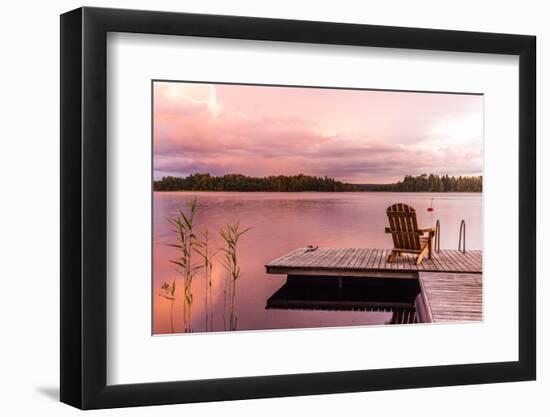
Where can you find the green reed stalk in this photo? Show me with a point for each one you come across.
(168, 291)
(185, 244)
(231, 234)
(204, 250)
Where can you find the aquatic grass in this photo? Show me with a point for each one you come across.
(205, 252)
(168, 291)
(188, 242)
(231, 235)
(185, 244)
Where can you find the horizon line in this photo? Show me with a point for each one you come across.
(319, 176)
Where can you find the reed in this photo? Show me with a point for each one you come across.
(185, 244)
(168, 291)
(231, 235)
(205, 252)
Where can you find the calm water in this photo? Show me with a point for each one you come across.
(282, 222)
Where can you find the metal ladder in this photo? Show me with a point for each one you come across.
(461, 236)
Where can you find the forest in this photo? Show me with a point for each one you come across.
(301, 182)
(238, 182)
(435, 184)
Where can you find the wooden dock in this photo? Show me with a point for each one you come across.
(365, 262)
(450, 282)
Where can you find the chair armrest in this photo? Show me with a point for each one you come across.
(429, 229)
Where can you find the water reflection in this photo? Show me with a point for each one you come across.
(281, 222)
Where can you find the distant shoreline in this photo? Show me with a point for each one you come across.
(305, 183)
(320, 192)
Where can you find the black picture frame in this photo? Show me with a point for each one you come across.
(84, 207)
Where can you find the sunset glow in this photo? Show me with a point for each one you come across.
(356, 136)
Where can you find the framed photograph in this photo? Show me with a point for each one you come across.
(258, 207)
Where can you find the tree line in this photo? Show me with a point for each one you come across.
(239, 182)
(301, 182)
(436, 184)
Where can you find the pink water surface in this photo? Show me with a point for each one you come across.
(281, 222)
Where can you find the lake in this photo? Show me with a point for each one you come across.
(281, 222)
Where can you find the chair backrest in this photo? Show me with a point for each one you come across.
(403, 227)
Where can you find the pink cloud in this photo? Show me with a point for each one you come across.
(355, 136)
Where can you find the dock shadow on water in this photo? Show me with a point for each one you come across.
(332, 293)
(207, 281)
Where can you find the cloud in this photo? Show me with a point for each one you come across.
(195, 130)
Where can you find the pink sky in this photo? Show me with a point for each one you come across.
(356, 136)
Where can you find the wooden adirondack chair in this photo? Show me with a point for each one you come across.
(406, 235)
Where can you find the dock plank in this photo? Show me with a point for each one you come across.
(365, 261)
(314, 257)
(285, 258)
(374, 259)
(451, 297)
